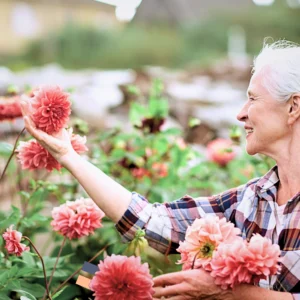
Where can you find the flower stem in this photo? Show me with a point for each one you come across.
(76, 272)
(194, 260)
(12, 154)
(54, 268)
(41, 258)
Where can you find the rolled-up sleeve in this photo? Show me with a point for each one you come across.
(166, 224)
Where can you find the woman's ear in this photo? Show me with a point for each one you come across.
(294, 108)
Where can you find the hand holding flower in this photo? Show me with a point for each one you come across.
(190, 284)
(58, 145)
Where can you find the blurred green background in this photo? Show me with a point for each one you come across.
(87, 34)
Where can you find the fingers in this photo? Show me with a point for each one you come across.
(174, 298)
(175, 292)
(167, 291)
(25, 106)
(168, 279)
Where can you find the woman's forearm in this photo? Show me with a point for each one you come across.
(109, 195)
(251, 292)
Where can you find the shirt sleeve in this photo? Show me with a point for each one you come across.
(165, 224)
(289, 277)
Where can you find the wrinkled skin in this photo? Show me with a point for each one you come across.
(191, 284)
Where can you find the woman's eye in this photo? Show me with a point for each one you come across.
(251, 99)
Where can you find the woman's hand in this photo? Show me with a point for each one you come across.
(191, 284)
(58, 145)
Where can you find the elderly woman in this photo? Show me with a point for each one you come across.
(268, 205)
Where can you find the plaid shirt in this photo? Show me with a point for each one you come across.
(251, 207)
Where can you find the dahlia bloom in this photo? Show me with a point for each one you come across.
(78, 142)
(9, 108)
(140, 173)
(202, 239)
(242, 262)
(75, 219)
(220, 151)
(161, 169)
(13, 241)
(50, 108)
(121, 277)
(33, 156)
(263, 256)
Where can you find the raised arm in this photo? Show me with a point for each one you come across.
(109, 195)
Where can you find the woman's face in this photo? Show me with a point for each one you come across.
(265, 117)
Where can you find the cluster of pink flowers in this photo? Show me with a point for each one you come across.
(220, 151)
(13, 241)
(122, 277)
(215, 245)
(50, 110)
(75, 219)
(10, 108)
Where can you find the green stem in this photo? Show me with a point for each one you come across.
(41, 258)
(76, 272)
(194, 260)
(12, 154)
(54, 268)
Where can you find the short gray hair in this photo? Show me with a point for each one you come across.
(280, 62)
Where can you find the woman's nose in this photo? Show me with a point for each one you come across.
(243, 114)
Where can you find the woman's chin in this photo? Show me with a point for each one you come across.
(251, 150)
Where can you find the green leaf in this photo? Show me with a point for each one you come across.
(59, 292)
(194, 122)
(4, 275)
(13, 271)
(13, 218)
(137, 113)
(133, 90)
(13, 285)
(24, 271)
(158, 108)
(3, 296)
(28, 258)
(35, 289)
(6, 149)
(25, 294)
(50, 261)
(161, 145)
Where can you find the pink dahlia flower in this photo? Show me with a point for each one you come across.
(78, 142)
(202, 238)
(9, 108)
(140, 173)
(220, 151)
(263, 256)
(242, 262)
(13, 242)
(51, 108)
(229, 266)
(122, 278)
(160, 169)
(33, 156)
(75, 219)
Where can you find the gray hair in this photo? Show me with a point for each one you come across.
(280, 63)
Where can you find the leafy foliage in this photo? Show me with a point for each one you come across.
(151, 160)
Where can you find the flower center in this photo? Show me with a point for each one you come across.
(206, 250)
(121, 285)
